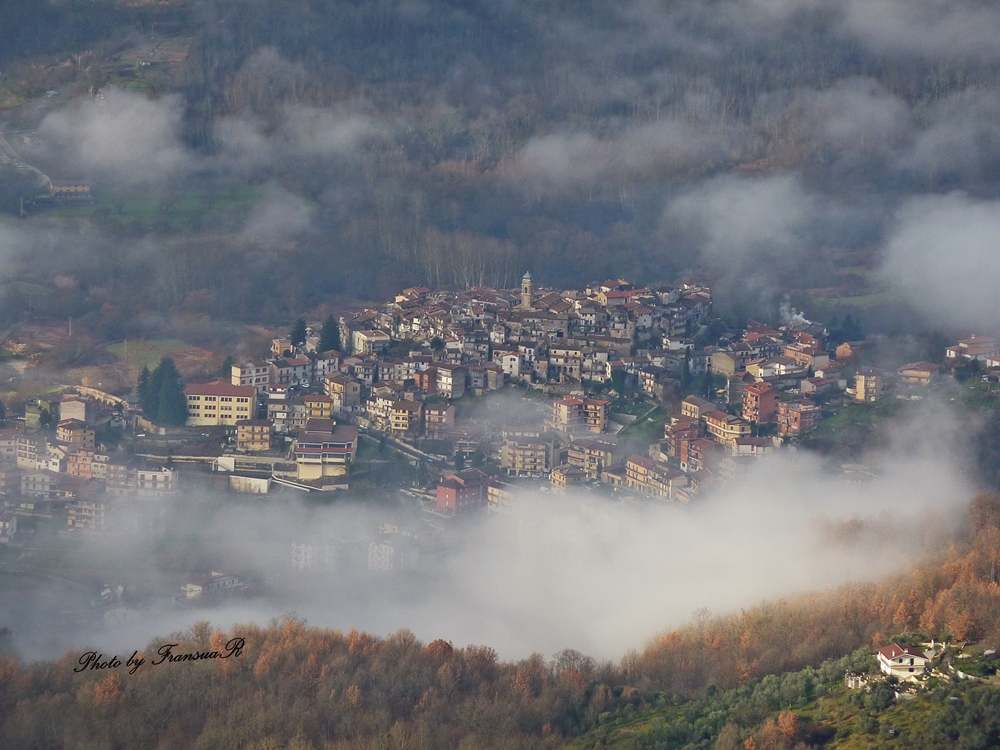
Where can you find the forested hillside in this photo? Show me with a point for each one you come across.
(249, 156)
(299, 687)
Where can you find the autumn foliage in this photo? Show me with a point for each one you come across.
(299, 687)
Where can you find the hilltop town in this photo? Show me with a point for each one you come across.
(452, 403)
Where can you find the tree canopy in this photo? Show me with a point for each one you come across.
(161, 394)
(299, 332)
(329, 339)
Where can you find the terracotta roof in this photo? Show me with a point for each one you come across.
(219, 388)
(894, 650)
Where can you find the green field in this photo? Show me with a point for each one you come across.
(149, 352)
(647, 429)
(190, 210)
(862, 302)
(853, 423)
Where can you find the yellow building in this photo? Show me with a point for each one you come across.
(75, 432)
(725, 428)
(591, 456)
(567, 476)
(405, 417)
(525, 457)
(343, 390)
(325, 454)
(253, 435)
(646, 476)
(319, 407)
(499, 497)
(869, 385)
(574, 415)
(87, 514)
(219, 403)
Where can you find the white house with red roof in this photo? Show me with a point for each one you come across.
(903, 663)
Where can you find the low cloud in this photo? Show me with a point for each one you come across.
(942, 254)
(279, 216)
(961, 139)
(737, 221)
(578, 571)
(300, 133)
(562, 160)
(942, 29)
(126, 139)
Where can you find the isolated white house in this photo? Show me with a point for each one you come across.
(903, 663)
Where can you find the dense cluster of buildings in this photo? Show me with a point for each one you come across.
(42, 473)
(404, 364)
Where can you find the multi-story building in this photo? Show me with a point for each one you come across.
(155, 480)
(451, 380)
(219, 403)
(869, 384)
(405, 417)
(978, 348)
(120, 474)
(323, 365)
(570, 415)
(596, 413)
(461, 491)
(78, 407)
(8, 526)
(439, 419)
(902, 663)
(528, 456)
(591, 456)
(725, 428)
(499, 496)
(694, 407)
(90, 515)
(325, 454)
(80, 463)
(8, 444)
(679, 430)
(99, 466)
(646, 476)
(760, 402)
(256, 374)
(703, 454)
(76, 432)
(918, 373)
(567, 476)
(318, 406)
(28, 451)
(253, 435)
(292, 372)
(370, 342)
(344, 391)
(797, 417)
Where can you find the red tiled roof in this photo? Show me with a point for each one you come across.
(894, 650)
(218, 388)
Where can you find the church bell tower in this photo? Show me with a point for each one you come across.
(526, 291)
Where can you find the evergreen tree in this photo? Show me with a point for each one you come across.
(165, 402)
(142, 390)
(329, 339)
(227, 367)
(299, 332)
(173, 403)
